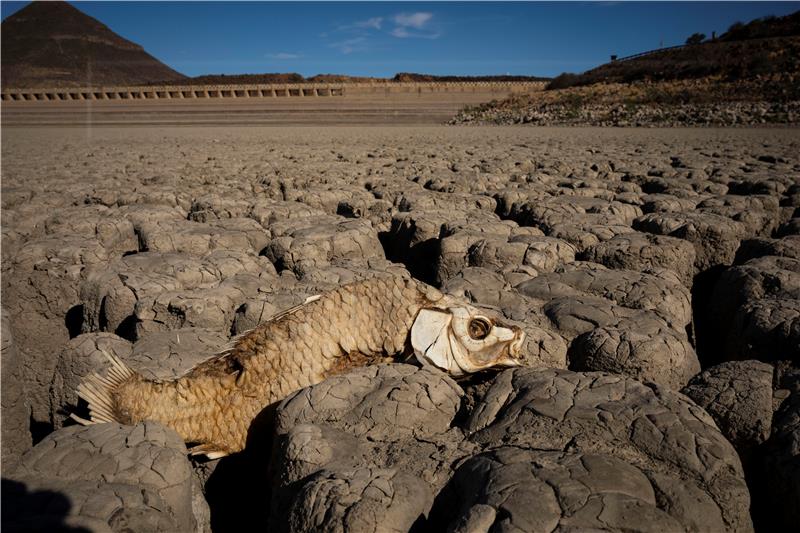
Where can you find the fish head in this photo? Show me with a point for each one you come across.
(460, 339)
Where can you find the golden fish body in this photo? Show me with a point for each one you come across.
(214, 404)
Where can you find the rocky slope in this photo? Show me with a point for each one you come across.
(699, 102)
(53, 44)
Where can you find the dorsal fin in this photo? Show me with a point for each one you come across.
(295, 308)
(227, 350)
(236, 338)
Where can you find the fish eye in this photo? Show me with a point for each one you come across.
(479, 328)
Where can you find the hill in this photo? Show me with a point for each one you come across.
(243, 79)
(293, 77)
(272, 77)
(762, 47)
(413, 77)
(50, 44)
(750, 75)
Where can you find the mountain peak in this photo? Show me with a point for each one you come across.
(54, 44)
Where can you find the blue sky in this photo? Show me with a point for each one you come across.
(383, 38)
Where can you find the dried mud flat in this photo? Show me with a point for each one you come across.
(656, 272)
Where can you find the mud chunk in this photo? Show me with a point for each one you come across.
(660, 295)
(214, 207)
(780, 479)
(435, 246)
(208, 308)
(128, 478)
(525, 490)
(790, 227)
(16, 435)
(643, 251)
(113, 230)
(738, 395)
(544, 254)
(194, 238)
(164, 355)
(362, 499)
(788, 246)
(758, 213)
(757, 310)
(115, 296)
(80, 357)
(269, 212)
(320, 244)
(671, 441)
(645, 349)
(667, 203)
(571, 209)
(582, 233)
(368, 448)
(715, 238)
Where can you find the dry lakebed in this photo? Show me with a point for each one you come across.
(655, 272)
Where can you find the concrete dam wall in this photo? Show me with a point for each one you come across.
(168, 92)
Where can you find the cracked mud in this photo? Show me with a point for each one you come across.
(656, 274)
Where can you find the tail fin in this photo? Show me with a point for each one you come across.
(97, 391)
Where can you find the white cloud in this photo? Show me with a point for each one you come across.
(416, 20)
(360, 26)
(406, 25)
(348, 46)
(374, 22)
(403, 33)
(400, 32)
(407, 22)
(284, 55)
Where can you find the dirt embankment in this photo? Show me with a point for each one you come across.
(711, 101)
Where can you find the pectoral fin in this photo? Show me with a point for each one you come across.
(209, 450)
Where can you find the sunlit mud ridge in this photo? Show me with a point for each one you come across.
(655, 274)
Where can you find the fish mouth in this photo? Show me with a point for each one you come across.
(515, 348)
(512, 353)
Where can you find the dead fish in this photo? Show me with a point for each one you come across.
(378, 320)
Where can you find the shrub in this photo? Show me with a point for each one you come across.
(696, 38)
(564, 80)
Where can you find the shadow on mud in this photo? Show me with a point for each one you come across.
(37, 510)
(238, 487)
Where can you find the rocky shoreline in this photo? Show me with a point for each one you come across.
(709, 102)
(725, 114)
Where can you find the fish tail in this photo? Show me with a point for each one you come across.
(98, 391)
